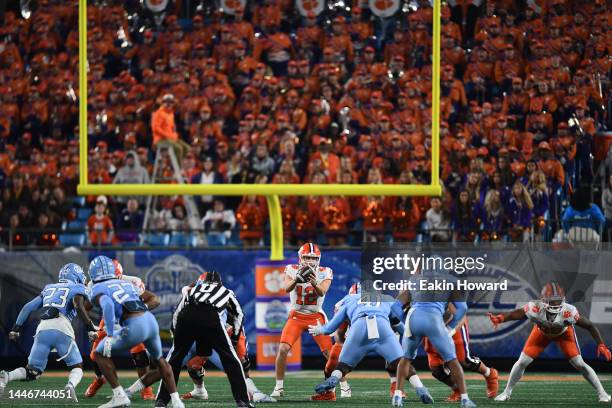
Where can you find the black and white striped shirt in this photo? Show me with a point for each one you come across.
(216, 295)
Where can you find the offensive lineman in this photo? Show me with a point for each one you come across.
(554, 322)
(307, 283)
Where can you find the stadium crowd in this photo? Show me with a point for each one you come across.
(268, 95)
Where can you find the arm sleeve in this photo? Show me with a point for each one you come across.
(236, 311)
(334, 323)
(461, 311)
(109, 314)
(27, 309)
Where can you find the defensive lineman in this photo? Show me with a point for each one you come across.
(60, 302)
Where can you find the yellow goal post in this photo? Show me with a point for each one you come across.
(270, 191)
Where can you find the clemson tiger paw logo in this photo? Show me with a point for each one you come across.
(273, 281)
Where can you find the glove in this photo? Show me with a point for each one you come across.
(108, 347)
(315, 329)
(15, 333)
(496, 319)
(92, 335)
(604, 352)
(304, 274)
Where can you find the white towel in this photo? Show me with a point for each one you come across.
(372, 326)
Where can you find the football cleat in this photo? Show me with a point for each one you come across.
(243, 404)
(454, 397)
(605, 398)
(502, 397)
(200, 394)
(492, 383)
(345, 392)
(3, 381)
(397, 400)
(116, 402)
(179, 404)
(424, 395)
(71, 392)
(147, 394)
(325, 396)
(468, 403)
(262, 398)
(93, 388)
(278, 392)
(327, 385)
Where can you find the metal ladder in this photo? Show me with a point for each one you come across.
(192, 213)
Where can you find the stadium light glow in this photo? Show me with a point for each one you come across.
(270, 191)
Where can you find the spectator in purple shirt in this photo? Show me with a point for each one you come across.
(519, 213)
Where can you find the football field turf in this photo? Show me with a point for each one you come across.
(369, 390)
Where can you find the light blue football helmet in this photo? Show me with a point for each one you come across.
(101, 268)
(72, 272)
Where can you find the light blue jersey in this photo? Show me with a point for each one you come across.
(426, 316)
(370, 328)
(116, 297)
(54, 331)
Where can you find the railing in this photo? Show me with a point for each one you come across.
(58, 238)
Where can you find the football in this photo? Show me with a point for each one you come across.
(304, 274)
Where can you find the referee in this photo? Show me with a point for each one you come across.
(197, 318)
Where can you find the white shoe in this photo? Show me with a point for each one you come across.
(3, 381)
(502, 397)
(179, 404)
(346, 392)
(260, 397)
(278, 392)
(605, 398)
(115, 402)
(196, 394)
(71, 393)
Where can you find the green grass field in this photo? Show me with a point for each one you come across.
(537, 390)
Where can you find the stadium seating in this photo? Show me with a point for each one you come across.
(347, 102)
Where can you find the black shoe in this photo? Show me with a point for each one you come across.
(242, 404)
(160, 404)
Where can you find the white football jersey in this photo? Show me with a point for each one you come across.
(536, 312)
(304, 298)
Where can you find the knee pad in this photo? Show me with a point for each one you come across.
(246, 363)
(196, 373)
(32, 374)
(440, 373)
(141, 359)
(471, 363)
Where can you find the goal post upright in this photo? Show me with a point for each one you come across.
(270, 191)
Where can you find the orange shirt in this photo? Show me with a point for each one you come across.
(163, 126)
(99, 229)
